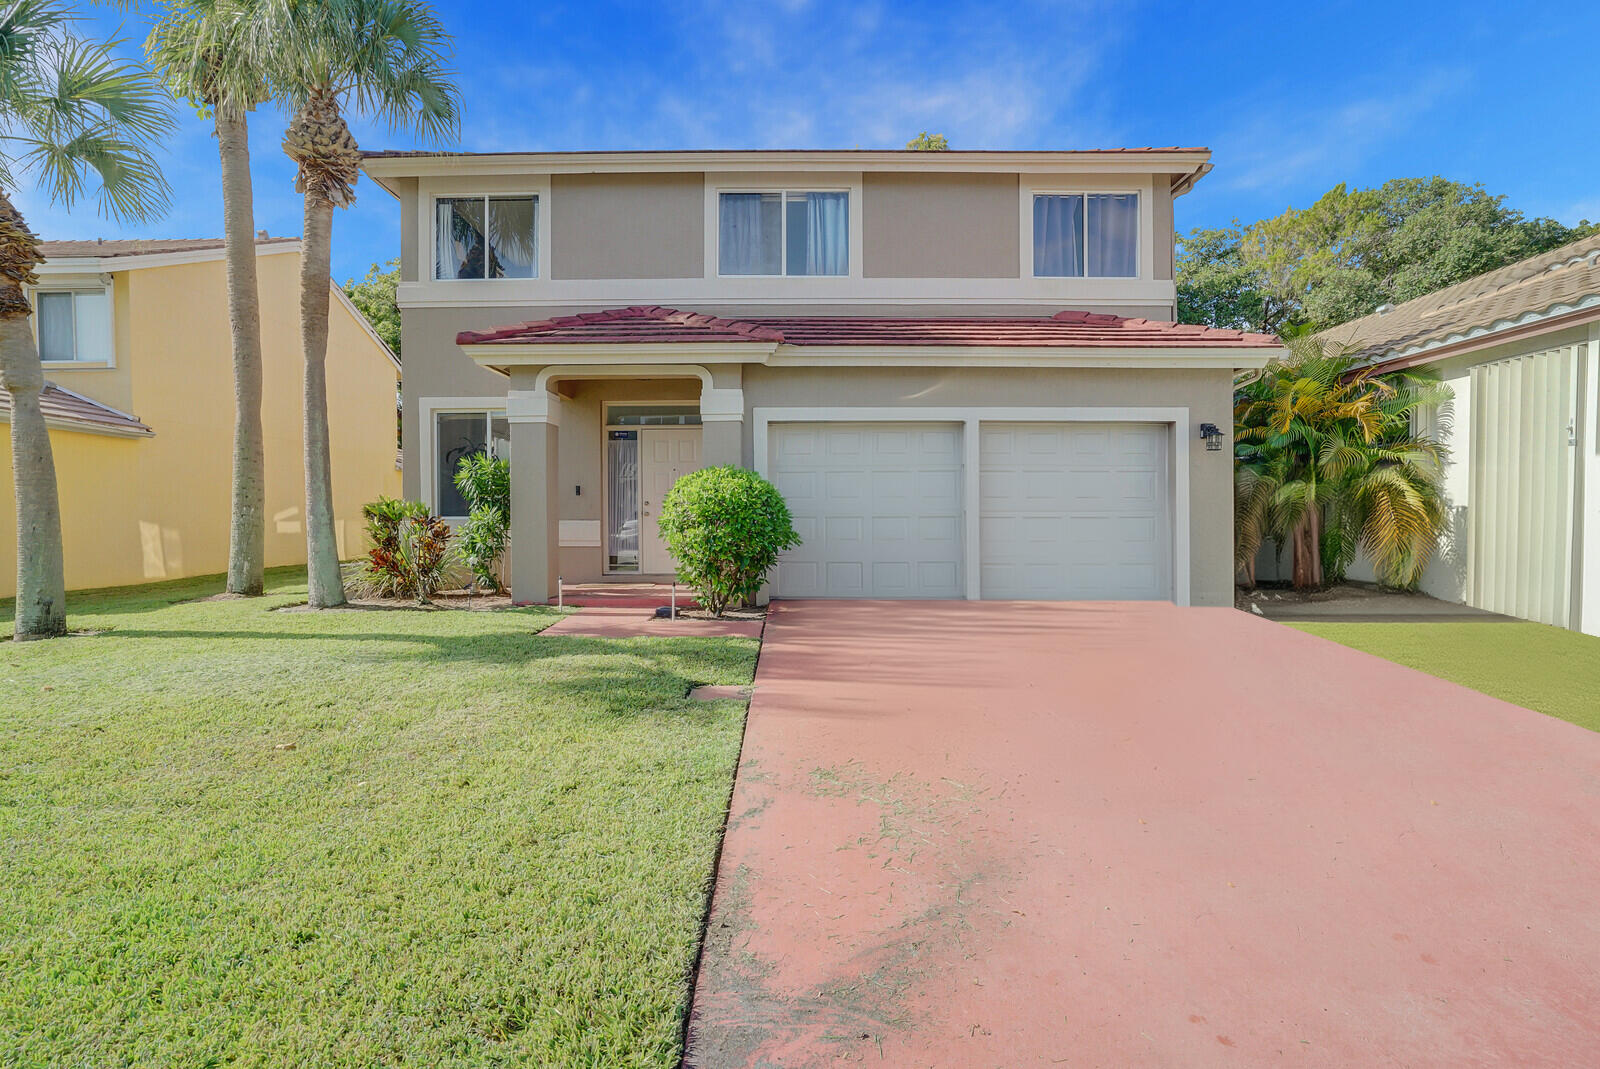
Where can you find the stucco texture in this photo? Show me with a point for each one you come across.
(139, 510)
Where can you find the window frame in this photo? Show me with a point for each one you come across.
(75, 287)
(427, 221)
(430, 409)
(852, 236)
(1141, 206)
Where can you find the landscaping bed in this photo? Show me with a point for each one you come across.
(245, 837)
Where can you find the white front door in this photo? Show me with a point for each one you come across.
(667, 455)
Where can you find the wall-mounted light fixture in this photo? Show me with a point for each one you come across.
(1211, 434)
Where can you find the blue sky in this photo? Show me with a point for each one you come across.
(1292, 98)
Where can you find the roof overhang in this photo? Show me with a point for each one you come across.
(80, 265)
(1460, 343)
(1190, 163)
(502, 357)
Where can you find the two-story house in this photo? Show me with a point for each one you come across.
(138, 357)
(960, 368)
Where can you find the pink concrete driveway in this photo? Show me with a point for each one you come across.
(1030, 834)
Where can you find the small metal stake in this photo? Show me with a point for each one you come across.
(674, 601)
(560, 593)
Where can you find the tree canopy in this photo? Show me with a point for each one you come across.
(1354, 249)
(926, 142)
(376, 296)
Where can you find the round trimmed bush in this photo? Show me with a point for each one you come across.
(726, 527)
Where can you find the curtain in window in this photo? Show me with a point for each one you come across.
(826, 234)
(55, 326)
(622, 500)
(458, 238)
(1113, 235)
(1058, 236)
(513, 249)
(92, 314)
(749, 234)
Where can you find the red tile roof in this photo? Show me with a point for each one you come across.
(649, 324)
(62, 406)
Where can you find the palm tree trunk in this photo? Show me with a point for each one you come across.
(1307, 547)
(41, 581)
(248, 524)
(326, 588)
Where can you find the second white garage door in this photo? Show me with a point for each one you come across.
(877, 505)
(1075, 511)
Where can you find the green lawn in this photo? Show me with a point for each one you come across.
(484, 848)
(1546, 668)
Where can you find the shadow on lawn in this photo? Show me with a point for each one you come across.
(626, 677)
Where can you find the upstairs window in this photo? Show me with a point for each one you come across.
(485, 237)
(1086, 235)
(784, 234)
(74, 325)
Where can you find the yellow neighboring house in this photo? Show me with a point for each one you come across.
(137, 353)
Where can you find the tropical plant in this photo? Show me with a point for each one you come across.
(485, 485)
(203, 51)
(73, 118)
(1327, 462)
(726, 527)
(382, 58)
(410, 553)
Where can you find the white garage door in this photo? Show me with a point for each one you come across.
(877, 505)
(1075, 511)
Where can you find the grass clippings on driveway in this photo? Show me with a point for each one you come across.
(1546, 668)
(233, 836)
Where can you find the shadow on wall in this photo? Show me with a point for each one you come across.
(162, 548)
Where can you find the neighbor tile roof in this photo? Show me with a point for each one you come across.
(61, 405)
(647, 324)
(66, 250)
(1552, 282)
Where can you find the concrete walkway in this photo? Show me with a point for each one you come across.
(978, 834)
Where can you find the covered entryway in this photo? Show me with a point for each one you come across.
(1075, 511)
(878, 507)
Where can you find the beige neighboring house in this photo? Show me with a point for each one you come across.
(1521, 349)
(960, 368)
(137, 352)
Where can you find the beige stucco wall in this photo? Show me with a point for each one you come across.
(1161, 265)
(1206, 393)
(627, 226)
(940, 226)
(141, 510)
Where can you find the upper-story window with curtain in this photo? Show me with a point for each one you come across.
(1086, 235)
(486, 237)
(788, 233)
(74, 325)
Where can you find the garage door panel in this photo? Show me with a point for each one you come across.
(889, 521)
(1074, 511)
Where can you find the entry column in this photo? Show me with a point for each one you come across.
(722, 419)
(533, 415)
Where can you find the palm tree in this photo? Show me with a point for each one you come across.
(383, 58)
(1327, 462)
(73, 117)
(202, 50)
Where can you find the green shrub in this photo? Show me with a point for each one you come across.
(485, 485)
(410, 553)
(726, 527)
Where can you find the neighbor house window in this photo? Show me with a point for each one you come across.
(458, 435)
(74, 325)
(1086, 235)
(486, 237)
(784, 234)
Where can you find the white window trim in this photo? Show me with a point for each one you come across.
(430, 409)
(428, 195)
(716, 185)
(1142, 244)
(971, 419)
(79, 284)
